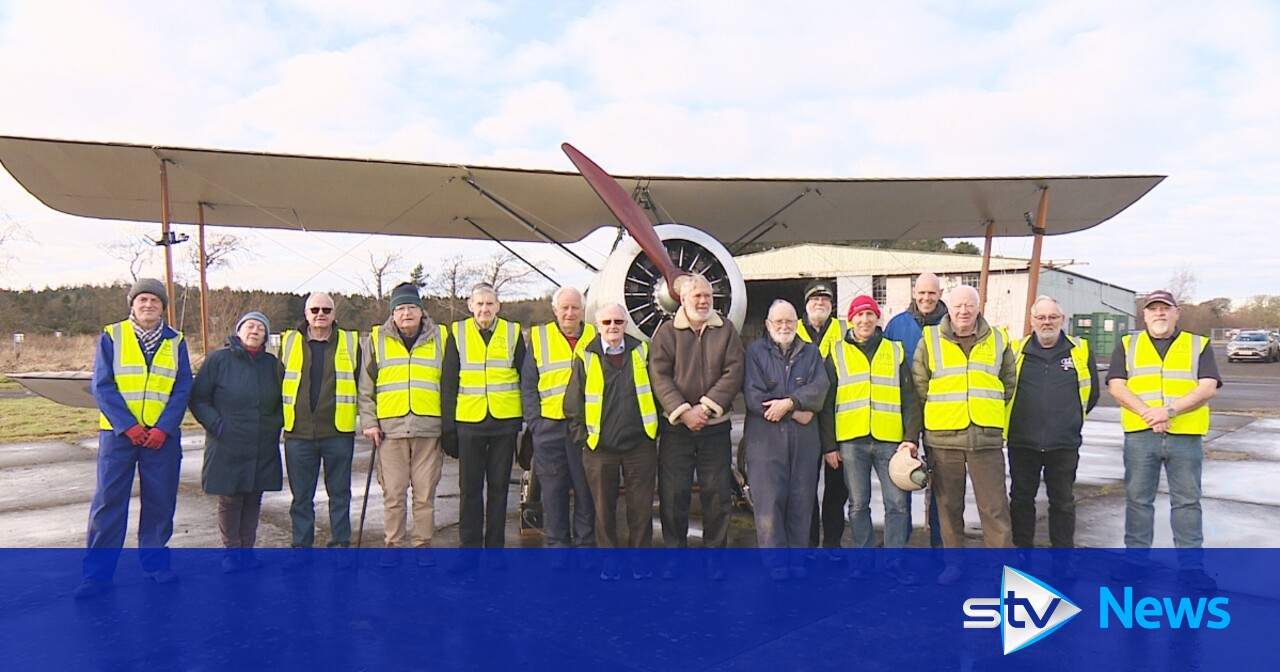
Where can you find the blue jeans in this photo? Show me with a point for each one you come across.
(858, 458)
(1182, 456)
(302, 457)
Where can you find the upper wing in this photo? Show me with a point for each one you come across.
(260, 190)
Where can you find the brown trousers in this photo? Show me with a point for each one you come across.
(238, 519)
(403, 463)
(639, 468)
(986, 471)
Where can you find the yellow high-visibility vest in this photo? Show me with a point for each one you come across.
(964, 390)
(594, 392)
(488, 382)
(408, 382)
(834, 335)
(1160, 382)
(145, 389)
(292, 343)
(1079, 355)
(868, 393)
(554, 358)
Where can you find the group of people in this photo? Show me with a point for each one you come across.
(604, 409)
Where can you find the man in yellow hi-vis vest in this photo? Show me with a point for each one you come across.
(400, 406)
(863, 426)
(613, 420)
(318, 389)
(557, 462)
(1057, 387)
(482, 381)
(1163, 378)
(823, 329)
(142, 382)
(964, 374)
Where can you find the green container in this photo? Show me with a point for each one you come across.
(1102, 329)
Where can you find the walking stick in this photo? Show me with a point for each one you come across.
(368, 482)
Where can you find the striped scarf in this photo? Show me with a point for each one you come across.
(148, 340)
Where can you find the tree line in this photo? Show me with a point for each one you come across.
(85, 309)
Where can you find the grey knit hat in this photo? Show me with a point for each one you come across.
(405, 294)
(149, 286)
(254, 315)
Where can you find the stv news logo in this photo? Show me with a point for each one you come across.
(1027, 610)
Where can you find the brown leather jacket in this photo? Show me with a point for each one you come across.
(687, 367)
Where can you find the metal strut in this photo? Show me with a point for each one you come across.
(527, 224)
(739, 242)
(513, 252)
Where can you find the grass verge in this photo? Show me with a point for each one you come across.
(38, 419)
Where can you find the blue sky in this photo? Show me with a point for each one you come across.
(850, 89)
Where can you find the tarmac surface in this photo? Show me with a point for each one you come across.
(45, 487)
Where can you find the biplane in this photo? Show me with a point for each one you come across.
(669, 225)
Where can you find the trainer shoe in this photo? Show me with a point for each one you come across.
(950, 576)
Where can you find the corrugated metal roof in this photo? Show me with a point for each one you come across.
(825, 261)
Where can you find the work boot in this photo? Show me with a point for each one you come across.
(343, 556)
(90, 588)
(165, 575)
(466, 560)
(249, 559)
(901, 574)
(298, 558)
(231, 563)
(1197, 580)
(1129, 572)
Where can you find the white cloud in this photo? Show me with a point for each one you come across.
(718, 88)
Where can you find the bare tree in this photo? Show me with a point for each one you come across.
(451, 283)
(506, 272)
(220, 251)
(381, 267)
(134, 248)
(10, 231)
(1183, 284)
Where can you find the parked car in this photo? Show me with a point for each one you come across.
(1255, 345)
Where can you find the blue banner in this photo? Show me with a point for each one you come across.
(343, 610)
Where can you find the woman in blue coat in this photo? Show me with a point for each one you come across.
(785, 385)
(236, 398)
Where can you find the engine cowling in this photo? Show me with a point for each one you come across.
(631, 279)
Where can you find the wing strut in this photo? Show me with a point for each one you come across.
(739, 243)
(527, 224)
(513, 252)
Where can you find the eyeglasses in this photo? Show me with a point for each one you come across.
(610, 323)
(1047, 318)
(783, 323)
(316, 310)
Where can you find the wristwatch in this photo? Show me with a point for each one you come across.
(1173, 413)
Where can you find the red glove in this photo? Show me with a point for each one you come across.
(136, 434)
(155, 438)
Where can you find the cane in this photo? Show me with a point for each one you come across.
(368, 482)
